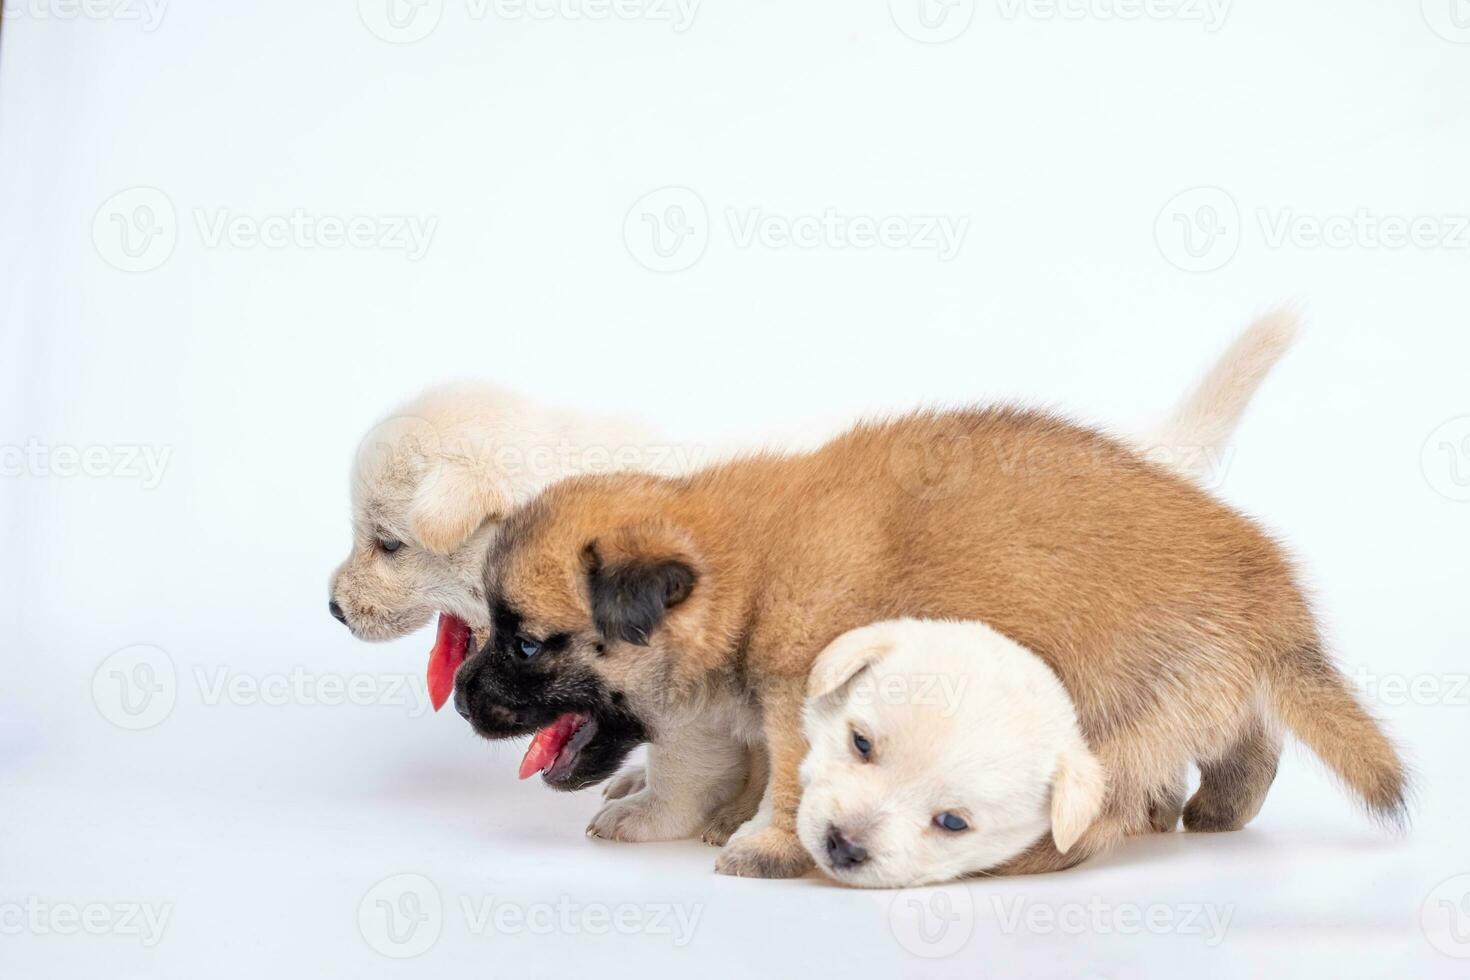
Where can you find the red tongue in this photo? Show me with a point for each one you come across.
(445, 658)
(548, 742)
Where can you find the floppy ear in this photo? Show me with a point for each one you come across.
(631, 598)
(450, 505)
(1077, 792)
(844, 658)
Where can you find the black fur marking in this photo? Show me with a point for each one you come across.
(629, 601)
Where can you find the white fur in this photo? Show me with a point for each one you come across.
(961, 720)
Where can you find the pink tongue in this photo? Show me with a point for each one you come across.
(548, 742)
(445, 658)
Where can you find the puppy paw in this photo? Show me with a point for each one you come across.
(631, 780)
(639, 818)
(769, 853)
(722, 826)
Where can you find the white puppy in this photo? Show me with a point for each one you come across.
(938, 749)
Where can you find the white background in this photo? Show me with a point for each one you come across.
(529, 142)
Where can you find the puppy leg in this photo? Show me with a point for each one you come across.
(1166, 803)
(742, 809)
(1233, 787)
(630, 780)
(775, 851)
(686, 777)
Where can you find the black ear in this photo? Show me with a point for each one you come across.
(629, 600)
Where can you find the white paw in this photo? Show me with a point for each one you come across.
(642, 817)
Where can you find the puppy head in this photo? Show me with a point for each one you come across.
(429, 483)
(938, 749)
(590, 599)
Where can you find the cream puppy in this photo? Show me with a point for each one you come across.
(951, 753)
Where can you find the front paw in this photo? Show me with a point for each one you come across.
(641, 817)
(770, 853)
(631, 780)
(722, 827)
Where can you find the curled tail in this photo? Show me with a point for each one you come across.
(1315, 703)
(1194, 439)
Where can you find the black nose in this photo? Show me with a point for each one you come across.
(337, 612)
(461, 703)
(842, 852)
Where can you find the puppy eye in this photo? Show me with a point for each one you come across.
(389, 545)
(951, 822)
(527, 648)
(863, 746)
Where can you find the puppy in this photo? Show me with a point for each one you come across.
(942, 749)
(938, 749)
(432, 481)
(626, 605)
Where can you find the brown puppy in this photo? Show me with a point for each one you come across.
(626, 606)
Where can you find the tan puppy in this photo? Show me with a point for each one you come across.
(624, 605)
(431, 482)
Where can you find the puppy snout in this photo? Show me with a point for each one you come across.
(842, 851)
(336, 611)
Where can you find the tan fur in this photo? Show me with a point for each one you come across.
(1169, 617)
